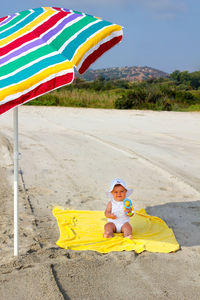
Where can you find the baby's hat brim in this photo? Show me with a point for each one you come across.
(121, 182)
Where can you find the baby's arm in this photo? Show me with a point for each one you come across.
(108, 210)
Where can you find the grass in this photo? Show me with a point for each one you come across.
(86, 98)
(194, 107)
(77, 98)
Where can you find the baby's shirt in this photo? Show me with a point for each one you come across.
(118, 211)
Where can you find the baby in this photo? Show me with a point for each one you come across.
(118, 221)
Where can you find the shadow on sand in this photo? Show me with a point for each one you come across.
(183, 218)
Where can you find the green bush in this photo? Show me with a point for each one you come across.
(185, 97)
(154, 95)
(196, 95)
(194, 107)
(124, 102)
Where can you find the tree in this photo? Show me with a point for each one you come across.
(176, 75)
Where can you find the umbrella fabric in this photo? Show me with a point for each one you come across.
(39, 49)
(83, 230)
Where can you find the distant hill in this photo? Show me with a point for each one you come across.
(135, 73)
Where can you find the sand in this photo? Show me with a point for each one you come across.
(69, 157)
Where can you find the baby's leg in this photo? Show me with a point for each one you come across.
(109, 229)
(127, 230)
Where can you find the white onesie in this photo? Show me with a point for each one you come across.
(118, 211)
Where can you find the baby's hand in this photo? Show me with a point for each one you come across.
(128, 210)
(112, 216)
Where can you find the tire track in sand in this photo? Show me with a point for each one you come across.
(178, 180)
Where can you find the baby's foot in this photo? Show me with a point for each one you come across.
(106, 235)
(129, 236)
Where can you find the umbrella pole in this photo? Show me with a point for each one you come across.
(16, 204)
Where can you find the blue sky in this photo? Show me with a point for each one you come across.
(163, 34)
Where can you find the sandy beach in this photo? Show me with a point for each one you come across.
(68, 158)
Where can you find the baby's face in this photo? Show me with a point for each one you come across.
(119, 193)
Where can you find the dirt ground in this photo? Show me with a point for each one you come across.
(68, 158)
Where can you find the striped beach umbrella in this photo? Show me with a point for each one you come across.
(39, 51)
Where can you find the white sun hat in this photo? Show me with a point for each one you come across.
(115, 182)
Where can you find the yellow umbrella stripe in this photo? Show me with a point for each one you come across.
(27, 28)
(22, 86)
(93, 42)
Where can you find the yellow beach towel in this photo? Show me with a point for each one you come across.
(83, 230)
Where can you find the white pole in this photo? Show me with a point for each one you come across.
(16, 205)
